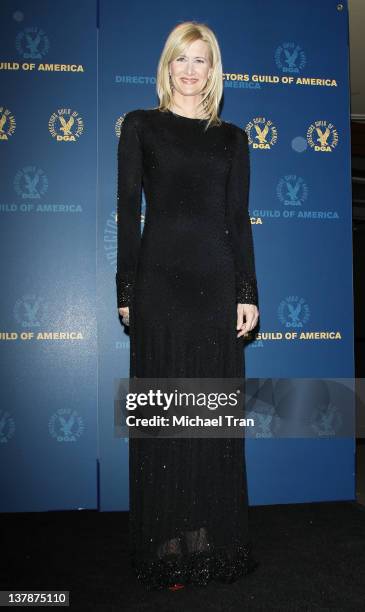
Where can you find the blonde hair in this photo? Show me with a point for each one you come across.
(179, 38)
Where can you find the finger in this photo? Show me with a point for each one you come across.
(252, 323)
(243, 329)
(239, 322)
(239, 318)
(247, 326)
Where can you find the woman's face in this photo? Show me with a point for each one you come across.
(190, 70)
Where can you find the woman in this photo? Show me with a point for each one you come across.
(187, 289)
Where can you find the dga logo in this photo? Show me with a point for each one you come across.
(66, 425)
(32, 43)
(7, 123)
(30, 311)
(293, 312)
(7, 426)
(328, 421)
(30, 183)
(322, 136)
(66, 125)
(290, 58)
(118, 124)
(261, 132)
(110, 238)
(292, 190)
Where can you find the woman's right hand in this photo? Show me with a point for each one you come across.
(124, 313)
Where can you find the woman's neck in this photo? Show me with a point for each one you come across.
(191, 113)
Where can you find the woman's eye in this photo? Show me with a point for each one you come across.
(181, 59)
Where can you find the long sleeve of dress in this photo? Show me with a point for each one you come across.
(239, 221)
(129, 190)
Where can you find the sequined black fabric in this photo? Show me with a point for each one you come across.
(182, 280)
(197, 568)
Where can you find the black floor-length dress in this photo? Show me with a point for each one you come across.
(182, 279)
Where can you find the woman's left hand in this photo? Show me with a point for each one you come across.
(251, 313)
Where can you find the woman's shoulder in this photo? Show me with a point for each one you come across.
(133, 115)
(238, 137)
(140, 118)
(140, 113)
(235, 129)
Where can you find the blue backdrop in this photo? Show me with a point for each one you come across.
(66, 86)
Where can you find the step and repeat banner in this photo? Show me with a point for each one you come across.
(66, 87)
(48, 152)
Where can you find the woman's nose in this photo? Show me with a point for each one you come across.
(189, 68)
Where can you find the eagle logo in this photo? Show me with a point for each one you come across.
(261, 133)
(66, 125)
(32, 43)
(7, 426)
(66, 425)
(7, 123)
(322, 136)
(290, 58)
(31, 311)
(293, 312)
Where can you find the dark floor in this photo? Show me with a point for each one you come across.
(312, 557)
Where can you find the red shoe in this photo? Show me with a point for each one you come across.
(176, 587)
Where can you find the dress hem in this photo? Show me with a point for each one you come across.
(197, 568)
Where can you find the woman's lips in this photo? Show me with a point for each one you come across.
(189, 80)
